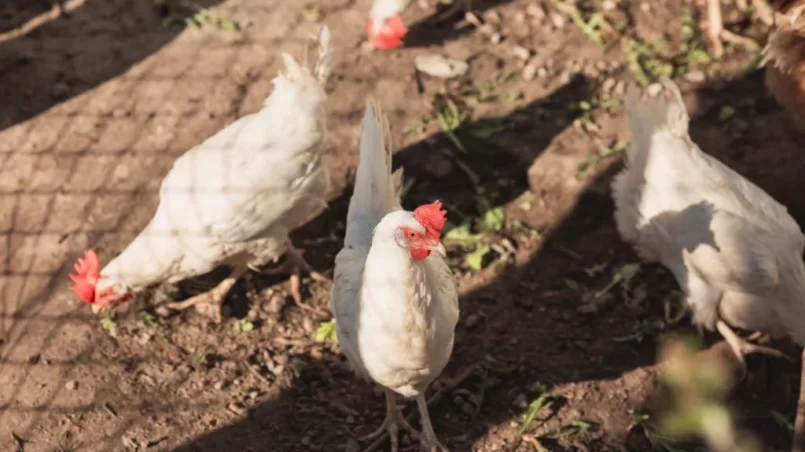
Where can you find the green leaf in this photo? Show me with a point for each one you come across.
(573, 428)
(311, 14)
(625, 273)
(476, 258)
(533, 409)
(572, 284)
(326, 332)
(595, 269)
(494, 219)
(227, 25)
(726, 113)
(108, 324)
(462, 235)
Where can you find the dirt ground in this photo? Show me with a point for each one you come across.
(96, 104)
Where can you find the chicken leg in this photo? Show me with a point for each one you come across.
(209, 303)
(429, 441)
(392, 423)
(741, 347)
(716, 33)
(294, 264)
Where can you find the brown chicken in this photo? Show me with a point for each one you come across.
(785, 58)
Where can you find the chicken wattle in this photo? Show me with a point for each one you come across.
(393, 297)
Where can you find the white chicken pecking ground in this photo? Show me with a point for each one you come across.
(735, 251)
(393, 296)
(232, 200)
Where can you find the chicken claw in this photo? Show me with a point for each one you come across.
(209, 303)
(391, 424)
(294, 264)
(741, 347)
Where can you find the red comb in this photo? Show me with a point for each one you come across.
(86, 277)
(390, 34)
(432, 217)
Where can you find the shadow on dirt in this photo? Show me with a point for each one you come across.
(65, 56)
(443, 25)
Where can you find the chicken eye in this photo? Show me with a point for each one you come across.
(411, 234)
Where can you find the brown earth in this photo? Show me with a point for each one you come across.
(96, 104)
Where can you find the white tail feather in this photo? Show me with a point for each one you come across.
(376, 191)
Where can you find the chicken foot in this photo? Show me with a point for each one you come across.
(392, 423)
(446, 388)
(741, 347)
(209, 303)
(294, 264)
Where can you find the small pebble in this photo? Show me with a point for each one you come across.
(121, 172)
(352, 446)
(471, 320)
(529, 71)
(71, 385)
(307, 325)
(440, 66)
(695, 76)
(558, 20)
(492, 16)
(521, 401)
(607, 86)
(536, 12)
(654, 89)
(521, 52)
(60, 90)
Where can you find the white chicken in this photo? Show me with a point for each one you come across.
(385, 27)
(394, 300)
(735, 251)
(232, 200)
